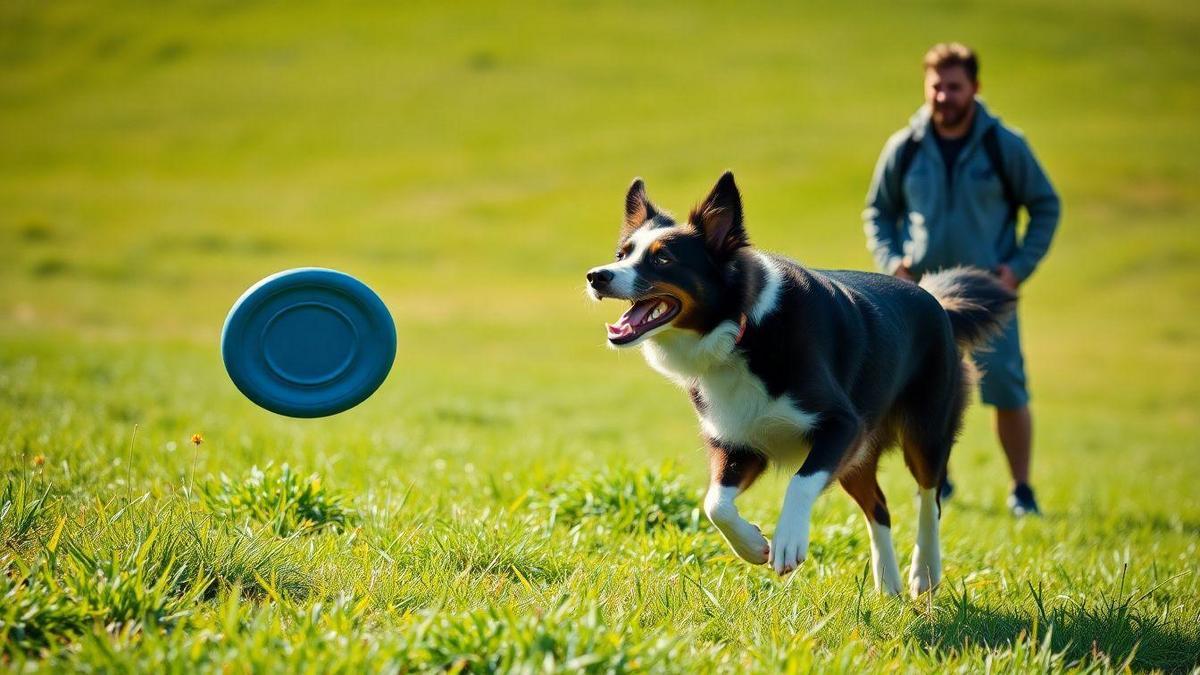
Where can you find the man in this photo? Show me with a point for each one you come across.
(946, 192)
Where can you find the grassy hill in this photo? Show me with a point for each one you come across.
(517, 490)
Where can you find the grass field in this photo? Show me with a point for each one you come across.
(516, 496)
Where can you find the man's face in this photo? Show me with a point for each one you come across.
(950, 93)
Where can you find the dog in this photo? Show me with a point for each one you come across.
(815, 369)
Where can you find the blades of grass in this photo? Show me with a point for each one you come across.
(52, 545)
(695, 582)
(129, 467)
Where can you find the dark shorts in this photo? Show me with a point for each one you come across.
(1003, 369)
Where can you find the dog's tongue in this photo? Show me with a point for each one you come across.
(631, 319)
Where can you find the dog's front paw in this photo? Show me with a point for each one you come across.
(789, 547)
(748, 542)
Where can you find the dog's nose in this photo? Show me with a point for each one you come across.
(599, 278)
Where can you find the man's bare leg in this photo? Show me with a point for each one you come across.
(1014, 426)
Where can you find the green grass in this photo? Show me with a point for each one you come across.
(516, 496)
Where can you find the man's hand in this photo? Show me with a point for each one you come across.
(1007, 278)
(904, 271)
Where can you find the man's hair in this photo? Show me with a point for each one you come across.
(950, 54)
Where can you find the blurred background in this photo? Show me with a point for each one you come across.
(469, 161)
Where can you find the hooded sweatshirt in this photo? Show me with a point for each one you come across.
(958, 216)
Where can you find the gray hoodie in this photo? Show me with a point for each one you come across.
(961, 219)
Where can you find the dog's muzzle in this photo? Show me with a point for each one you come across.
(600, 279)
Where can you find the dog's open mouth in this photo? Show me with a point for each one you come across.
(643, 317)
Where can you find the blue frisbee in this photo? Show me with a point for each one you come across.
(308, 342)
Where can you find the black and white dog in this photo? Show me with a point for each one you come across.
(820, 370)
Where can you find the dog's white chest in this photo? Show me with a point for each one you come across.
(738, 410)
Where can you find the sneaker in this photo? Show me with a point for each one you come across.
(1022, 502)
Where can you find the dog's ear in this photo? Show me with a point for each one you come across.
(719, 218)
(638, 208)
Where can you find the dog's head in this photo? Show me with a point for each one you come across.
(678, 276)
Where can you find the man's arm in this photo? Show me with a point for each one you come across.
(882, 215)
(1034, 191)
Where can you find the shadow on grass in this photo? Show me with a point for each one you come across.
(1159, 524)
(1119, 523)
(1109, 631)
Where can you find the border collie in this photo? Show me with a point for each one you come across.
(815, 369)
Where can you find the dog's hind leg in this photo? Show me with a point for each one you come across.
(926, 571)
(927, 465)
(732, 471)
(930, 425)
(860, 482)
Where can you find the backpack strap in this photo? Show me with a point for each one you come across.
(908, 152)
(991, 145)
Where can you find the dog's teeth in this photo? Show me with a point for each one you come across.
(658, 310)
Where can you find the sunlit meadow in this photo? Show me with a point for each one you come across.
(518, 497)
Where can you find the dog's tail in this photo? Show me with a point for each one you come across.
(977, 303)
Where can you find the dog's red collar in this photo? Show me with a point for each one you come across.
(741, 330)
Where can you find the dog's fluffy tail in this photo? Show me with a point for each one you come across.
(977, 303)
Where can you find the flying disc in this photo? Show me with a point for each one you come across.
(308, 342)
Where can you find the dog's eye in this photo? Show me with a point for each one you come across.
(620, 255)
(661, 259)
